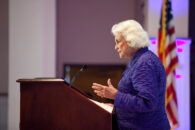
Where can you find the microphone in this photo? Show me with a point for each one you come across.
(84, 67)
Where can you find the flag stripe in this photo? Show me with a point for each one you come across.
(169, 61)
(172, 30)
(173, 62)
(171, 91)
(174, 121)
(174, 109)
(170, 39)
(170, 48)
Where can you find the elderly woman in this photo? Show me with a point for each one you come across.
(140, 99)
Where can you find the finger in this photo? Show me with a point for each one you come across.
(99, 93)
(96, 84)
(97, 87)
(109, 82)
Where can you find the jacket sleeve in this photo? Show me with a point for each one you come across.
(144, 81)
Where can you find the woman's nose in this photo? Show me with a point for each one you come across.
(115, 47)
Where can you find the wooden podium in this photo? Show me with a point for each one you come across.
(50, 104)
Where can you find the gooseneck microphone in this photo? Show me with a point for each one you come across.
(84, 67)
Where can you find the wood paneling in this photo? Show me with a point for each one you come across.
(98, 74)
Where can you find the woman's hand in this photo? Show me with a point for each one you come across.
(105, 91)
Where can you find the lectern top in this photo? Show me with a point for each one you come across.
(41, 80)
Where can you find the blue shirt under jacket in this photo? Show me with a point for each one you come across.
(140, 100)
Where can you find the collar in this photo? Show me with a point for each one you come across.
(137, 55)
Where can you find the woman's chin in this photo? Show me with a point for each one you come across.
(121, 56)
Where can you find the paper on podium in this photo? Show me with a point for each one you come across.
(104, 106)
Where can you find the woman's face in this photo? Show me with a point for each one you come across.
(122, 47)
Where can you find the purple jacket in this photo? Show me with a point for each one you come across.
(140, 100)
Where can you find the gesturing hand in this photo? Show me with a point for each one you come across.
(105, 91)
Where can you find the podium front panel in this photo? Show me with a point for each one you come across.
(56, 106)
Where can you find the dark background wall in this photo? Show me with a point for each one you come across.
(3, 64)
(3, 46)
(192, 60)
(192, 21)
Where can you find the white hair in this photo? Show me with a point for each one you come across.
(132, 32)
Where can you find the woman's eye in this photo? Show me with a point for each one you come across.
(117, 42)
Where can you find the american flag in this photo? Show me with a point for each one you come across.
(167, 53)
